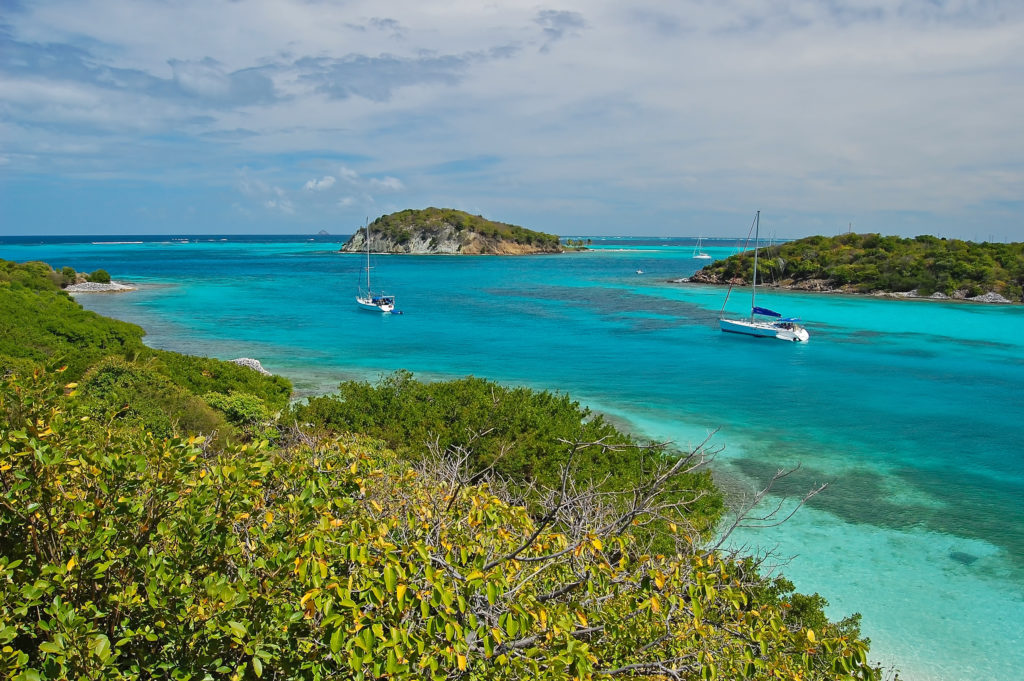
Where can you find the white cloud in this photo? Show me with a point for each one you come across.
(326, 182)
(849, 106)
(387, 184)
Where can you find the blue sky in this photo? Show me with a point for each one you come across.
(580, 117)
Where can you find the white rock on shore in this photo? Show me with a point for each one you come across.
(96, 287)
(990, 297)
(251, 363)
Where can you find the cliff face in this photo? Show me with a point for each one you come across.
(445, 231)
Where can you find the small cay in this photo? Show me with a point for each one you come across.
(446, 231)
(922, 267)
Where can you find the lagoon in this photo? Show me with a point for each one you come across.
(909, 409)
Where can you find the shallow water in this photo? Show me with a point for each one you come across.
(909, 409)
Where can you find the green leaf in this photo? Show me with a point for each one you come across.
(237, 629)
(337, 639)
(50, 647)
(101, 647)
(257, 666)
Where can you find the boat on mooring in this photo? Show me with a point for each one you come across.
(762, 322)
(366, 299)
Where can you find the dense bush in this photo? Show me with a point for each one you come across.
(131, 557)
(145, 400)
(521, 434)
(99, 277)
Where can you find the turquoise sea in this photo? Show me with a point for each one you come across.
(911, 410)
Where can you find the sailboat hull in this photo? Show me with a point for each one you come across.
(763, 329)
(385, 305)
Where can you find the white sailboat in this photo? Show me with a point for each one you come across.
(699, 254)
(775, 326)
(365, 297)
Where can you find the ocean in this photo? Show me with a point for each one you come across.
(910, 410)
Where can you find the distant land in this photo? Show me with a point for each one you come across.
(925, 266)
(448, 231)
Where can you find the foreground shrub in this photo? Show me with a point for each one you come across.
(127, 556)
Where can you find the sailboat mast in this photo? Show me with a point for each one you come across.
(753, 290)
(366, 233)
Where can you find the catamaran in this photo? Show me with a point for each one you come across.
(365, 297)
(699, 254)
(776, 326)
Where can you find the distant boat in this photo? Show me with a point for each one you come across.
(776, 326)
(639, 271)
(699, 254)
(365, 297)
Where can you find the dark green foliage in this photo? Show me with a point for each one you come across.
(68, 276)
(522, 433)
(140, 398)
(99, 277)
(870, 262)
(202, 375)
(399, 227)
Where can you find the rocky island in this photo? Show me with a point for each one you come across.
(446, 231)
(922, 267)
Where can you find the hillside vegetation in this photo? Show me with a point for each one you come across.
(481, 533)
(444, 230)
(870, 262)
(164, 392)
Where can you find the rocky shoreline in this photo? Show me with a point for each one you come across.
(822, 286)
(95, 287)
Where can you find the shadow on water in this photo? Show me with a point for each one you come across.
(958, 505)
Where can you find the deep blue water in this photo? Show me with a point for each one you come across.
(910, 409)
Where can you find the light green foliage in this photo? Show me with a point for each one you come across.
(240, 408)
(142, 558)
(400, 226)
(869, 262)
(39, 322)
(522, 434)
(99, 277)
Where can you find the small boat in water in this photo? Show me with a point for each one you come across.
(762, 322)
(699, 254)
(366, 299)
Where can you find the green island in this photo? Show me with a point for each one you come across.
(164, 516)
(925, 266)
(449, 231)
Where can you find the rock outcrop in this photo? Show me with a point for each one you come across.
(251, 363)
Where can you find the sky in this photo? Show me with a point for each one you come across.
(573, 117)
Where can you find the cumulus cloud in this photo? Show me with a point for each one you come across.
(326, 182)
